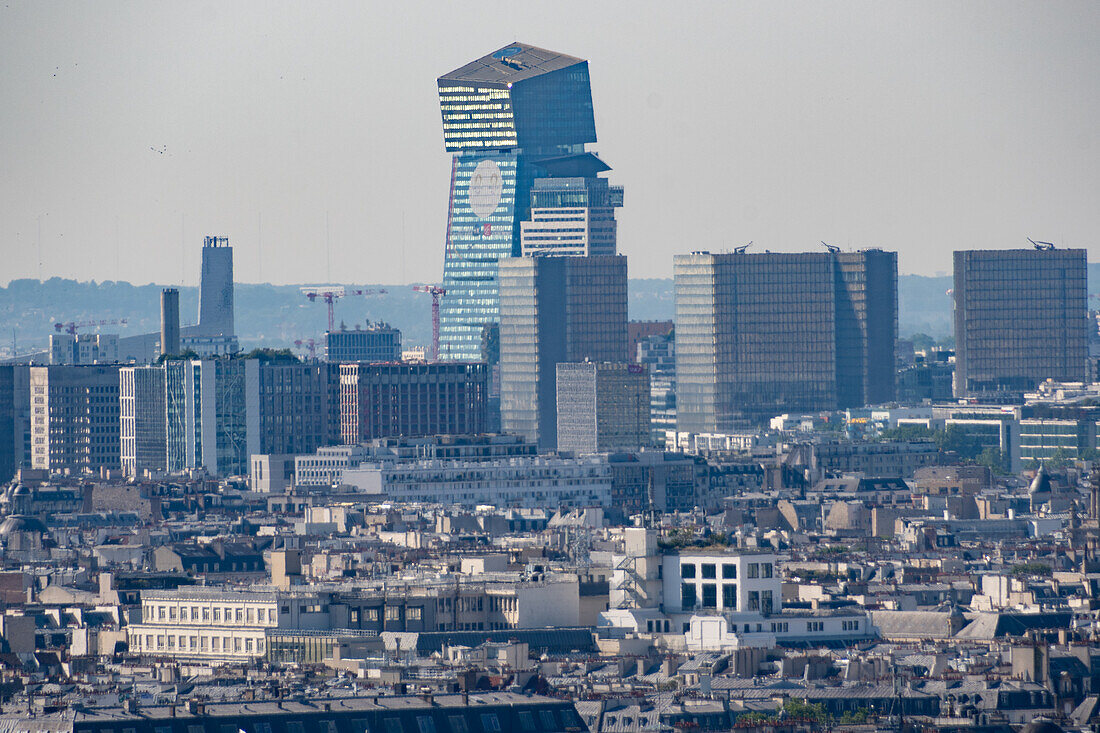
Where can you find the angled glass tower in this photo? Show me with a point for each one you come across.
(515, 115)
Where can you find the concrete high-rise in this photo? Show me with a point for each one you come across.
(75, 418)
(762, 334)
(602, 406)
(519, 114)
(217, 413)
(412, 400)
(554, 310)
(143, 416)
(10, 445)
(170, 321)
(1021, 317)
(216, 289)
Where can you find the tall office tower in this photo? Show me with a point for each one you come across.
(161, 410)
(9, 446)
(554, 310)
(216, 289)
(762, 334)
(602, 406)
(221, 412)
(299, 407)
(658, 353)
(143, 415)
(170, 321)
(412, 400)
(75, 418)
(571, 216)
(1021, 316)
(509, 118)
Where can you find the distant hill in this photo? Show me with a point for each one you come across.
(277, 315)
(269, 315)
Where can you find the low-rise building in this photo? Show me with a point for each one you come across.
(514, 482)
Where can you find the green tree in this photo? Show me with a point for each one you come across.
(854, 717)
(1032, 568)
(922, 341)
(958, 441)
(184, 355)
(271, 356)
(800, 710)
(994, 460)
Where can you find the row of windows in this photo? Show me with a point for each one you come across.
(729, 570)
(202, 643)
(214, 614)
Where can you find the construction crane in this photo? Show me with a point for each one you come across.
(1041, 245)
(70, 327)
(310, 344)
(831, 247)
(741, 250)
(437, 292)
(329, 294)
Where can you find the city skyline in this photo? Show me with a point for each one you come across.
(919, 129)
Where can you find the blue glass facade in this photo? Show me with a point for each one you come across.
(502, 115)
(482, 227)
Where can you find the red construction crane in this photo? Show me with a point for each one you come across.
(330, 294)
(309, 344)
(70, 327)
(437, 292)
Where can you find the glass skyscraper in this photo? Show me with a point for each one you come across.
(554, 310)
(1021, 316)
(758, 335)
(518, 114)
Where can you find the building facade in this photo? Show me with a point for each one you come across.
(143, 415)
(216, 413)
(383, 400)
(602, 406)
(554, 310)
(11, 445)
(503, 115)
(513, 482)
(376, 343)
(571, 216)
(84, 348)
(220, 625)
(1021, 317)
(215, 290)
(75, 418)
(762, 334)
(658, 353)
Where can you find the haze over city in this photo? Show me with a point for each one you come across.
(310, 134)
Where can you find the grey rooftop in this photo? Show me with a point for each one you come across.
(513, 63)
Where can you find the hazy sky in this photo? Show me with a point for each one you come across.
(128, 130)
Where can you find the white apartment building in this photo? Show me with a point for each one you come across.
(326, 467)
(216, 625)
(719, 598)
(515, 482)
